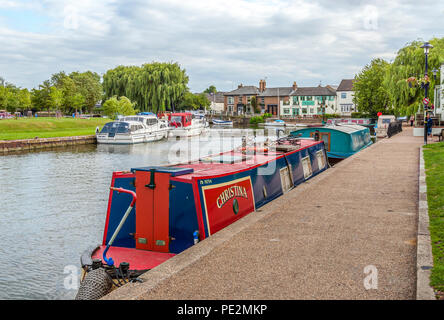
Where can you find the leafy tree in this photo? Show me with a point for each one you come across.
(370, 96)
(88, 85)
(194, 101)
(56, 97)
(24, 97)
(123, 106)
(210, 89)
(78, 101)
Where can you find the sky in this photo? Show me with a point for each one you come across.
(218, 42)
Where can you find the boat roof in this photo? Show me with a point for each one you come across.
(141, 117)
(228, 163)
(347, 128)
(181, 114)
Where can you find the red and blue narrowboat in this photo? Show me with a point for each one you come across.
(156, 212)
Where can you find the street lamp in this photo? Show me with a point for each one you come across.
(426, 46)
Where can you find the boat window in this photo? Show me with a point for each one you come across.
(306, 166)
(151, 121)
(115, 127)
(321, 159)
(176, 119)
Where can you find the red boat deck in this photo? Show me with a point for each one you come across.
(139, 259)
(215, 168)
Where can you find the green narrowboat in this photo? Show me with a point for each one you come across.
(341, 140)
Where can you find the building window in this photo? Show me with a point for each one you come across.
(286, 111)
(309, 98)
(343, 95)
(302, 98)
(304, 110)
(262, 100)
(346, 107)
(230, 100)
(230, 108)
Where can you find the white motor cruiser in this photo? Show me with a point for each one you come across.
(186, 124)
(134, 129)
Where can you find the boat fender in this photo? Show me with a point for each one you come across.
(196, 237)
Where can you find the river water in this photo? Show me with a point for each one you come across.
(53, 206)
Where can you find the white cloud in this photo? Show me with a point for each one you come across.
(221, 42)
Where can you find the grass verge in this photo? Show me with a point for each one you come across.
(434, 166)
(29, 128)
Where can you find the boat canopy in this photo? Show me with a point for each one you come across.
(180, 119)
(116, 127)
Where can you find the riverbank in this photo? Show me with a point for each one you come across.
(349, 233)
(30, 128)
(41, 143)
(434, 166)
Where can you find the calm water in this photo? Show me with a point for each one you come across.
(53, 205)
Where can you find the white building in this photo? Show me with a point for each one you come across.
(344, 97)
(217, 102)
(439, 95)
(309, 102)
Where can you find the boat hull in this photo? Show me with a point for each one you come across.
(178, 206)
(187, 132)
(132, 139)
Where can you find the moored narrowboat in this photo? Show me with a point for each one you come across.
(341, 141)
(156, 212)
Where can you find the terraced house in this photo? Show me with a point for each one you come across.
(309, 102)
(239, 101)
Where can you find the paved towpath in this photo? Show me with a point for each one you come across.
(314, 242)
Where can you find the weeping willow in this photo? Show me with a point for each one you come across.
(410, 62)
(153, 87)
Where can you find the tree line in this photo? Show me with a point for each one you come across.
(395, 87)
(154, 87)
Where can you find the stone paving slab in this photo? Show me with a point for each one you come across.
(321, 240)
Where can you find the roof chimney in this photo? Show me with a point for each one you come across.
(262, 85)
(295, 86)
(240, 86)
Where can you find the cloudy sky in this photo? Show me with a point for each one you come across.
(220, 42)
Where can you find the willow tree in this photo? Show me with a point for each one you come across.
(410, 63)
(153, 87)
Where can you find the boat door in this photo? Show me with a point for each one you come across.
(152, 210)
(324, 136)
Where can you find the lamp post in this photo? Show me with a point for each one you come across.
(426, 46)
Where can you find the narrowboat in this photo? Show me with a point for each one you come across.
(187, 124)
(133, 129)
(156, 212)
(341, 141)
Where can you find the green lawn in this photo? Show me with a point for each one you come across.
(29, 128)
(434, 164)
